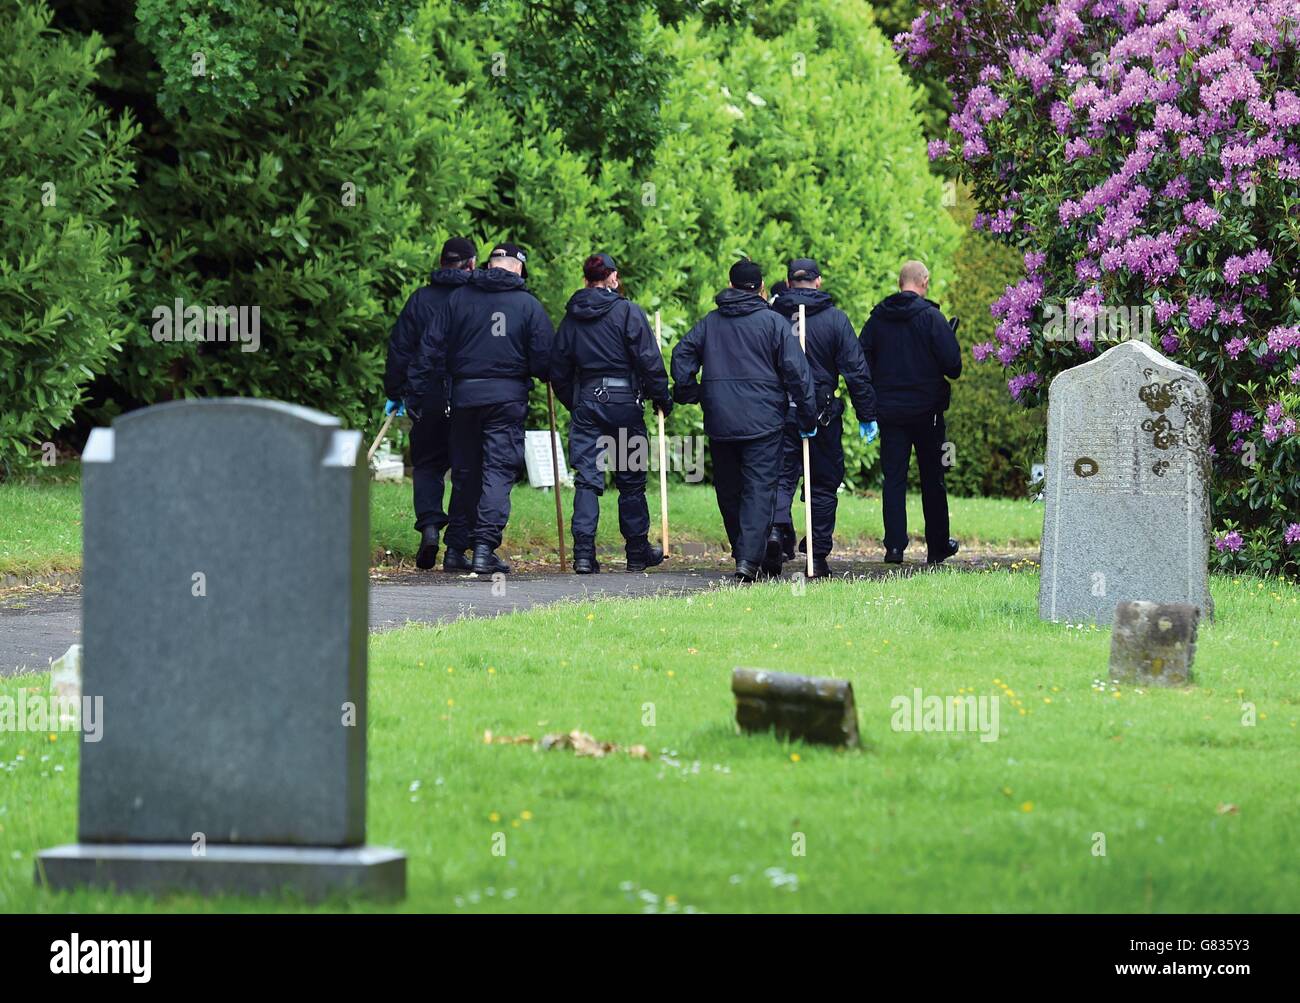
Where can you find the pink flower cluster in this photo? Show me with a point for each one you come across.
(1160, 142)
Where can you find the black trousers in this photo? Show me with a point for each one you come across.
(487, 452)
(897, 440)
(608, 435)
(826, 458)
(745, 478)
(430, 460)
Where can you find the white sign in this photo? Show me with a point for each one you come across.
(537, 457)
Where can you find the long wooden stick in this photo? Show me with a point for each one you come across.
(663, 454)
(555, 475)
(807, 463)
(380, 437)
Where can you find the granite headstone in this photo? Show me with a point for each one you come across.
(225, 626)
(1127, 512)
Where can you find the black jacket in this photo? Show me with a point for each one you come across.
(910, 348)
(602, 334)
(832, 348)
(489, 338)
(753, 368)
(404, 342)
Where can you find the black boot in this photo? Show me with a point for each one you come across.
(486, 561)
(427, 556)
(746, 571)
(787, 542)
(894, 555)
(820, 568)
(455, 561)
(641, 555)
(584, 558)
(773, 556)
(953, 547)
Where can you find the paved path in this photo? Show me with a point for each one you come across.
(36, 627)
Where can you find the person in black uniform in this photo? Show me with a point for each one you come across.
(832, 348)
(911, 348)
(490, 338)
(753, 367)
(605, 364)
(430, 453)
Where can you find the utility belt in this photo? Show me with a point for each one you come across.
(472, 391)
(829, 407)
(618, 389)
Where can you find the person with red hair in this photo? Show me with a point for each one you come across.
(605, 364)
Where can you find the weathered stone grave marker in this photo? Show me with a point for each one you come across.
(1154, 644)
(1127, 512)
(811, 708)
(225, 626)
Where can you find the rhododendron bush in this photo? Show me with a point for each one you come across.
(1145, 158)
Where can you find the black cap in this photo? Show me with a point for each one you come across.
(505, 249)
(745, 274)
(607, 261)
(802, 270)
(458, 249)
(778, 288)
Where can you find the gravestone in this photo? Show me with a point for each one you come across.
(1153, 644)
(225, 626)
(808, 708)
(537, 460)
(1127, 513)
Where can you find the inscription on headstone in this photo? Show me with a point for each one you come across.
(1127, 513)
(225, 626)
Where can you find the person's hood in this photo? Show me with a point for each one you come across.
(496, 280)
(449, 277)
(813, 301)
(588, 304)
(902, 306)
(738, 302)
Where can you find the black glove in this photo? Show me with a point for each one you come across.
(664, 406)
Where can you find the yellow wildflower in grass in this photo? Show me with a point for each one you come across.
(1027, 807)
(526, 815)
(494, 816)
(794, 757)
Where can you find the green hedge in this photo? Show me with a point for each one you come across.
(63, 273)
(995, 441)
(777, 136)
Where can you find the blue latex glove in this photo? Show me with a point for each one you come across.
(807, 435)
(868, 430)
(398, 406)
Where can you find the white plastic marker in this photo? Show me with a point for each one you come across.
(663, 453)
(807, 464)
(380, 437)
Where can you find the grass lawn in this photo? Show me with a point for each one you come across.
(40, 522)
(40, 527)
(1199, 811)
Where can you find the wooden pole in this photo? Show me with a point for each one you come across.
(555, 475)
(370, 455)
(663, 454)
(807, 464)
